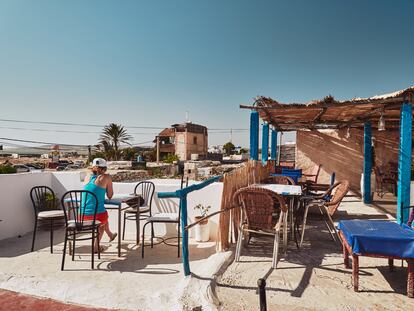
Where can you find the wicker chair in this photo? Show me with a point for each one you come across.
(327, 203)
(384, 182)
(312, 177)
(258, 209)
(281, 180)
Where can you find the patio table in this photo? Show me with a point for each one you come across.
(380, 239)
(115, 203)
(285, 190)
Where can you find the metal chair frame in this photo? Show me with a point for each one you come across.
(147, 189)
(75, 225)
(38, 198)
(327, 204)
(152, 221)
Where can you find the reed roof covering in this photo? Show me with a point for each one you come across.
(329, 113)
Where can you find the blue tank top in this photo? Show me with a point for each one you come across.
(89, 203)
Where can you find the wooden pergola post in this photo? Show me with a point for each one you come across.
(273, 140)
(265, 142)
(404, 163)
(367, 162)
(254, 135)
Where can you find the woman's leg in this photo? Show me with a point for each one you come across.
(108, 231)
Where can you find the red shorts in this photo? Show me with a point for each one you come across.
(102, 217)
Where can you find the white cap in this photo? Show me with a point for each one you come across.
(99, 162)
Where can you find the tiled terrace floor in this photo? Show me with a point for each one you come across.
(12, 301)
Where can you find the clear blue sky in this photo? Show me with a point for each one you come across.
(145, 63)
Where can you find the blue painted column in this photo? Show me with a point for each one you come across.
(367, 162)
(254, 135)
(273, 140)
(404, 163)
(265, 142)
(183, 209)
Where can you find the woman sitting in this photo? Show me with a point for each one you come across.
(99, 183)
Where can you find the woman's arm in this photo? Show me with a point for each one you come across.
(87, 178)
(109, 187)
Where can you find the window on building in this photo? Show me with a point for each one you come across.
(195, 140)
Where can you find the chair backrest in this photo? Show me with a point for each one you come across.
(281, 180)
(258, 206)
(314, 173)
(146, 190)
(74, 203)
(184, 181)
(295, 174)
(43, 199)
(332, 178)
(339, 192)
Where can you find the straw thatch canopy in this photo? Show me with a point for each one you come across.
(329, 113)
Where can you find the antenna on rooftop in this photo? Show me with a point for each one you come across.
(187, 117)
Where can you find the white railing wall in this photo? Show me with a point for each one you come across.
(16, 211)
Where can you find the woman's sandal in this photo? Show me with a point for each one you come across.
(113, 237)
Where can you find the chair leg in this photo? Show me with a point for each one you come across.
(178, 236)
(73, 246)
(334, 232)
(275, 249)
(34, 234)
(143, 241)
(152, 229)
(239, 244)
(98, 242)
(93, 248)
(285, 232)
(51, 236)
(152, 236)
(64, 250)
(305, 216)
(123, 228)
(137, 227)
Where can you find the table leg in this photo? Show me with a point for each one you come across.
(346, 256)
(355, 271)
(119, 231)
(410, 279)
(291, 217)
(391, 264)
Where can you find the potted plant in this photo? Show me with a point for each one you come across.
(202, 229)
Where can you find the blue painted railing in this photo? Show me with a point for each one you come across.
(182, 195)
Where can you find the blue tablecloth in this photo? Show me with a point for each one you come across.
(378, 237)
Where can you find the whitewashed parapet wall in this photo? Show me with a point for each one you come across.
(17, 215)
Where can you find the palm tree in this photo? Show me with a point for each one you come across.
(113, 135)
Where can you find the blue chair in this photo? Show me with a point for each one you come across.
(295, 174)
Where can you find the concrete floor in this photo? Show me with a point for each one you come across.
(314, 278)
(129, 282)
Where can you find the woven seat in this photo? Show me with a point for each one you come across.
(258, 208)
(51, 214)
